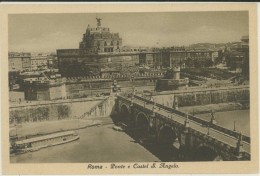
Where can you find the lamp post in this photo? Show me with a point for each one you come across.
(208, 130)
(153, 108)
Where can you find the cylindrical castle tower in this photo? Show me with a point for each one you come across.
(176, 72)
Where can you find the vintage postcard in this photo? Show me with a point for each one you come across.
(129, 88)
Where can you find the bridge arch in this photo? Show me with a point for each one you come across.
(125, 114)
(205, 152)
(142, 124)
(167, 135)
(124, 107)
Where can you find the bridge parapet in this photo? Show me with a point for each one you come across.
(198, 120)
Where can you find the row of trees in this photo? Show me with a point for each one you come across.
(38, 114)
(198, 63)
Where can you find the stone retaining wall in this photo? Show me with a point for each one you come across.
(51, 111)
(204, 97)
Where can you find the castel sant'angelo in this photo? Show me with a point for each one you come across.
(100, 39)
(101, 60)
(99, 49)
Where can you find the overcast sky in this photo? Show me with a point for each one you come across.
(48, 32)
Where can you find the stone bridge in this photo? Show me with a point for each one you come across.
(197, 139)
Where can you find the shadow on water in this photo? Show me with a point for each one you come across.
(164, 152)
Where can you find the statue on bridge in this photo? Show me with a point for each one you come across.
(239, 147)
(187, 123)
(213, 120)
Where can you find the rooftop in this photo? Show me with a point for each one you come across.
(18, 54)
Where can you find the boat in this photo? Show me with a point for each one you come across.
(117, 128)
(122, 125)
(37, 143)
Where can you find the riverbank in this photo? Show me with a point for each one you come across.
(220, 107)
(47, 127)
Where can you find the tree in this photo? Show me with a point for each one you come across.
(245, 66)
(208, 63)
(63, 111)
(189, 62)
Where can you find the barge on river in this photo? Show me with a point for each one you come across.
(37, 143)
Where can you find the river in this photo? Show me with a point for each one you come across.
(226, 119)
(96, 144)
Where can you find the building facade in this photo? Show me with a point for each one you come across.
(19, 61)
(146, 59)
(237, 58)
(101, 39)
(39, 62)
(168, 58)
(245, 41)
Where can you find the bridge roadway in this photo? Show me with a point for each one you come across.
(229, 140)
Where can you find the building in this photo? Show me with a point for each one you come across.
(19, 61)
(237, 58)
(245, 41)
(174, 56)
(44, 88)
(184, 57)
(171, 80)
(146, 59)
(99, 49)
(39, 62)
(101, 39)
(215, 56)
(52, 61)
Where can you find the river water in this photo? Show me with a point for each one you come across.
(103, 144)
(96, 144)
(226, 119)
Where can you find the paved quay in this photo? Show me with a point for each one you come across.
(37, 128)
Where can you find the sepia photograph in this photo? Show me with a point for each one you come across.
(148, 88)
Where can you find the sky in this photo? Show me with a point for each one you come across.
(48, 32)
